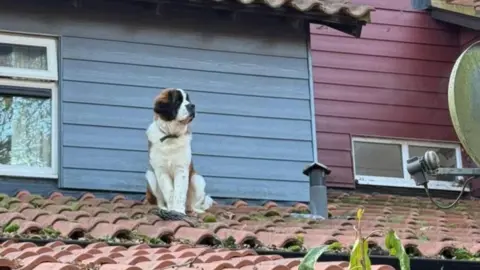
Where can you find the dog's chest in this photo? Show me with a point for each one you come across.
(172, 153)
(169, 154)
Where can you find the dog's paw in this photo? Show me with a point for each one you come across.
(192, 214)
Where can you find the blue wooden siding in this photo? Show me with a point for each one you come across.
(252, 136)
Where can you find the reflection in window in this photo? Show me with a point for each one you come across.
(378, 159)
(21, 56)
(448, 159)
(25, 131)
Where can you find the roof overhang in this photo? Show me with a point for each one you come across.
(338, 14)
(464, 13)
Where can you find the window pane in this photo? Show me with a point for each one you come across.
(448, 159)
(378, 159)
(25, 131)
(21, 56)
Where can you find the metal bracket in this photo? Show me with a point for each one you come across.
(419, 167)
(429, 164)
(458, 172)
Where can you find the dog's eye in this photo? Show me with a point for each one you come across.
(188, 98)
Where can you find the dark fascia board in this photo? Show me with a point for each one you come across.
(466, 21)
(343, 23)
(456, 8)
(444, 15)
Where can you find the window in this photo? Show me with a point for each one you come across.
(28, 57)
(28, 106)
(383, 162)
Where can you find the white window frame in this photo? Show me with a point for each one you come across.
(51, 47)
(39, 79)
(406, 182)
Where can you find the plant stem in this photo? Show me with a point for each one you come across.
(374, 232)
(362, 260)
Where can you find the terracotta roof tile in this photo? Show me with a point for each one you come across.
(329, 7)
(142, 257)
(424, 230)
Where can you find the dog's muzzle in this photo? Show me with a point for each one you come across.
(191, 110)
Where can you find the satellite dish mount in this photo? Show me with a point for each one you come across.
(419, 167)
(464, 107)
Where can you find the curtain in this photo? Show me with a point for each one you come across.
(25, 131)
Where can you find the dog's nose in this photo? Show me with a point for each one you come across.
(190, 107)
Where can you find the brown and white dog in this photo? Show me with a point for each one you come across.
(173, 184)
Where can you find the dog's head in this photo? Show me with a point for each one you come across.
(173, 104)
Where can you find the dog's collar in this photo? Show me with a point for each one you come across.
(168, 136)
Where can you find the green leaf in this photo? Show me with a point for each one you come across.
(357, 256)
(395, 247)
(308, 262)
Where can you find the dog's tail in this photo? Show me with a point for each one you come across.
(207, 202)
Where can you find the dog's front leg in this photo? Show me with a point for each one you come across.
(154, 194)
(166, 188)
(180, 189)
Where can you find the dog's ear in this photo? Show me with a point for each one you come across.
(167, 103)
(166, 111)
(161, 107)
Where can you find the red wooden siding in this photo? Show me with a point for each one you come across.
(392, 82)
(467, 37)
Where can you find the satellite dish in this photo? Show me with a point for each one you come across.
(464, 100)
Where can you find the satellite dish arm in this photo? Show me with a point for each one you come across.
(419, 167)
